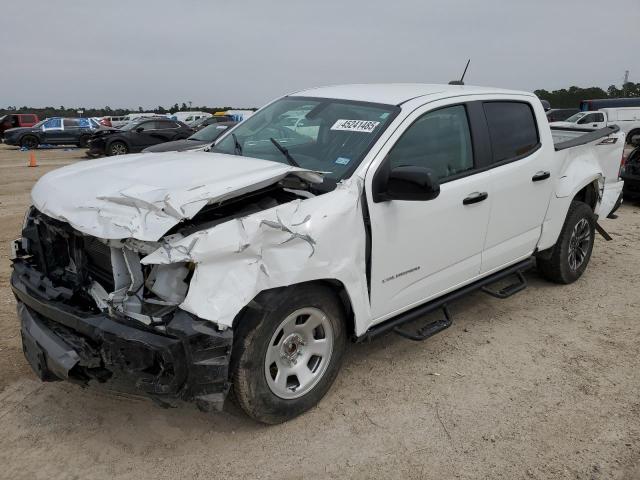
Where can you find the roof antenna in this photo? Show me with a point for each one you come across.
(461, 81)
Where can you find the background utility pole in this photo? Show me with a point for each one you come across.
(624, 83)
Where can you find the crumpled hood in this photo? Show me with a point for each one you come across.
(143, 196)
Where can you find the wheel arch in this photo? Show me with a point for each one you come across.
(265, 297)
(587, 191)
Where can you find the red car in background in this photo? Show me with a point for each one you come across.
(15, 120)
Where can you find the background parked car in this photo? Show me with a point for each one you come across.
(201, 138)
(137, 135)
(627, 118)
(189, 117)
(560, 114)
(117, 122)
(53, 131)
(17, 120)
(204, 122)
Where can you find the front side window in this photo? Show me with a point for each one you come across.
(327, 135)
(439, 140)
(512, 128)
(53, 123)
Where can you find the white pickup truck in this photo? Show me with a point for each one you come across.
(182, 275)
(626, 118)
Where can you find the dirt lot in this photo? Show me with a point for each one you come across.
(544, 385)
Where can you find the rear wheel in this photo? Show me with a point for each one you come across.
(571, 253)
(633, 134)
(29, 141)
(117, 148)
(288, 354)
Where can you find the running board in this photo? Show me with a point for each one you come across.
(509, 290)
(428, 330)
(442, 303)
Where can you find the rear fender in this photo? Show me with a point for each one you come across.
(578, 176)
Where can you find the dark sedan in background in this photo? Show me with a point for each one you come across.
(137, 135)
(53, 131)
(204, 137)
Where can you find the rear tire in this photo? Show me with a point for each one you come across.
(571, 253)
(117, 148)
(632, 133)
(282, 363)
(30, 142)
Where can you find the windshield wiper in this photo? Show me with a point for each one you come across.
(238, 147)
(285, 152)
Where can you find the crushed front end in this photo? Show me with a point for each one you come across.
(91, 312)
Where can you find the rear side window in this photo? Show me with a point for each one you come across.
(439, 140)
(512, 128)
(162, 125)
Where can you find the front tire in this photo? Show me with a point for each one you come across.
(117, 148)
(570, 255)
(30, 142)
(288, 352)
(84, 141)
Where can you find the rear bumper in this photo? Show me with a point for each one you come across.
(190, 362)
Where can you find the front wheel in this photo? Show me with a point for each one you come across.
(571, 253)
(30, 142)
(117, 148)
(289, 352)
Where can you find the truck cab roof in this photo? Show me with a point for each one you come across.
(399, 93)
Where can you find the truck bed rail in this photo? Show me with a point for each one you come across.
(589, 137)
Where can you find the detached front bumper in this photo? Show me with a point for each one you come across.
(190, 362)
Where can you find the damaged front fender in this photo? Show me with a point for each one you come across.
(300, 241)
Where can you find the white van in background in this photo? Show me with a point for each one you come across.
(189, 117)
(627, 118)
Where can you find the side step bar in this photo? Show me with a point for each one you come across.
(432, 328)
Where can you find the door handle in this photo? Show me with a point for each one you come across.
(540, 176)
(475, 197)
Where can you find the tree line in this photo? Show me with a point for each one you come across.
(62, 111)
(563, 98)
(571, 97)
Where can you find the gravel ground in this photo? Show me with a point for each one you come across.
(544, 385)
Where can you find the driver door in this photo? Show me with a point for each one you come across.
(421, 249)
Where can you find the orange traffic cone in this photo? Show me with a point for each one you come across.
(32, 160)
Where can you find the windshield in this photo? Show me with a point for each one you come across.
(209, 133)
(576, 117)
(321, 134)
(40, 123)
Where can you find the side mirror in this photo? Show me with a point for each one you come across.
(139, 129)
(410, 183)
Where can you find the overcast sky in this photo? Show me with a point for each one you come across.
(246, 52)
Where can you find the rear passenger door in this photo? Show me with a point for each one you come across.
(71, 131)
(166, 130)
(520, 182)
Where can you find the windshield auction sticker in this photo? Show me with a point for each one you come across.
(365, 126)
